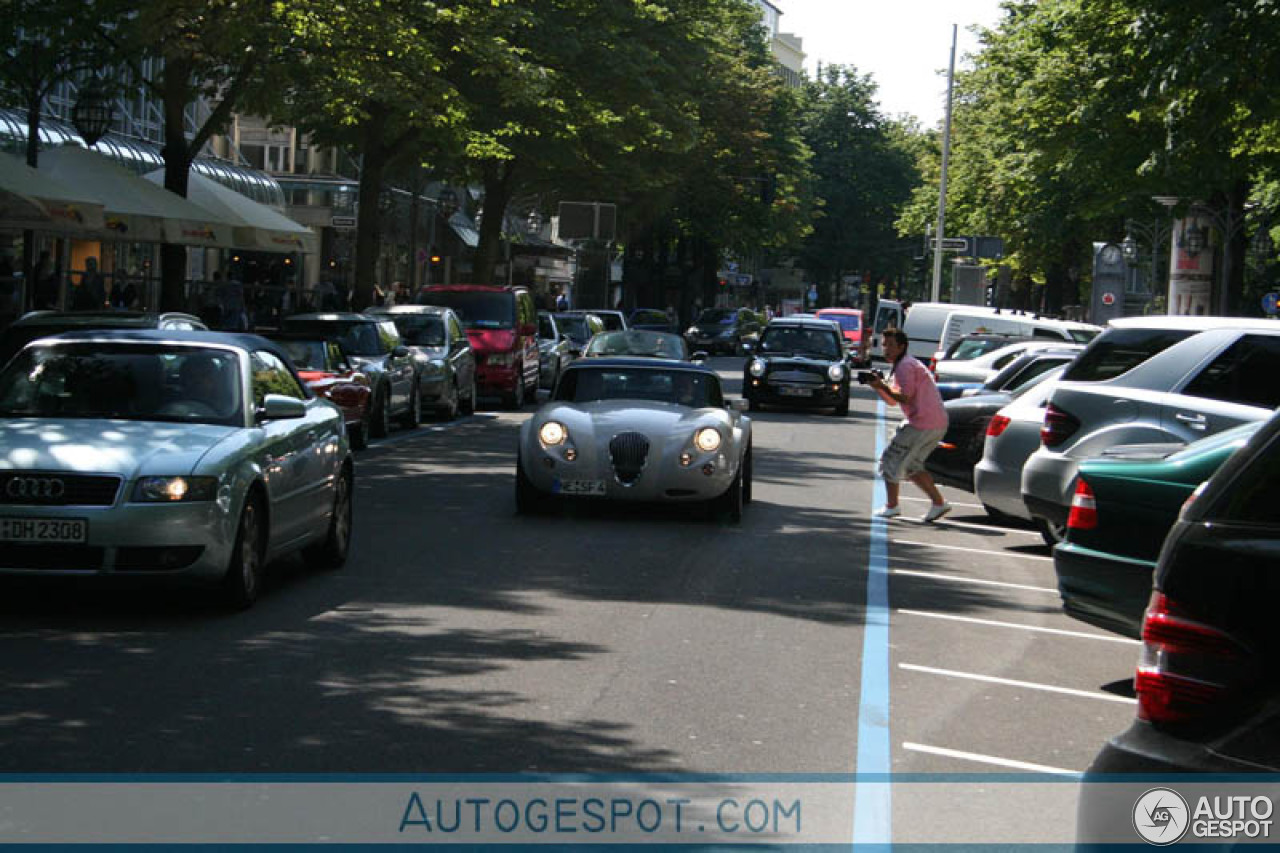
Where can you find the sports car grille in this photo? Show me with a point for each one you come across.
(628, 452)
(47, 489)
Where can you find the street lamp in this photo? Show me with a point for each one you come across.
(533, 223)
(446, 205)
(93, 112)
(1129, 248)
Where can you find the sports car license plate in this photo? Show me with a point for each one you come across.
(581, 487)
(790, 391)
(37, 530)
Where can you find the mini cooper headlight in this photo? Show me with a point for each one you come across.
(175, 489)
(835, 372)
(707, 439)
(553, 433)
(757, 368)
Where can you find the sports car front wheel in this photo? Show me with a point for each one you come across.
(526, 492)
(729, 505)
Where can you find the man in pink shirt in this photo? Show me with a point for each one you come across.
(910, 386)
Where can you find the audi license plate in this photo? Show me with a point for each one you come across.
(38, 530)
(582, 487)
(791, 391)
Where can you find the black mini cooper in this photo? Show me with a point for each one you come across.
(799, 363)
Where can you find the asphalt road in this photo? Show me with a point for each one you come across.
(462, 637)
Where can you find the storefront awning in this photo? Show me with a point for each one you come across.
(255, 227)
(135, 209)
(465, 229)
(29, 199)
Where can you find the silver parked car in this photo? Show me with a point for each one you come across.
(1013, 434)
(193, 455)
(554, 352)
(1150, 380)
(442, 356)
(636, 429)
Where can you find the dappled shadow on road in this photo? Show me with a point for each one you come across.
(375, 667)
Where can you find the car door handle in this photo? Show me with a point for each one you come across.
(1193, 421)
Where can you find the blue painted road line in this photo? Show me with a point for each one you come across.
(872, 815)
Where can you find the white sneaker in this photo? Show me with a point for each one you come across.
(936, 512)
(887, 512)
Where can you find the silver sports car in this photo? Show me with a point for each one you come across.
(637, 429)
(167, 454)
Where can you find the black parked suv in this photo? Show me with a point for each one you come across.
(1208, 693)
(800, 363)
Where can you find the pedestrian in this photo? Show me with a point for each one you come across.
(910, 386)
(46, 279)
(562, 301)
(91, 295)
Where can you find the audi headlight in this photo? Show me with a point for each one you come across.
(175, 489)
(757, 368)
(707, 439)
(835, 372)
(553, 433)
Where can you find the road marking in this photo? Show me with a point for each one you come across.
(1010, 682)
(1062, 632)
(872, 804)
(953, 503)
(983, 581)
(946, 522)
(988, 759)
(972, 550)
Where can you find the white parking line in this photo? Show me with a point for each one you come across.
(988, 759)
(1062, 632)
(1009, 682)
(982, 581)
(972, 550)
(946, 522)
(953, 503)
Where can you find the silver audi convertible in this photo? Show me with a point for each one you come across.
(636, 429)
(167, 454)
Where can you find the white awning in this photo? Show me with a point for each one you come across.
(29, 199)
(255, 227)
(135, 209)
(465, 229)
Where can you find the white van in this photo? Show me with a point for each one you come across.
(888, 316)
(934, 326)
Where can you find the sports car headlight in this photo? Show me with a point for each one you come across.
(835, 372)
(175, 489)
(757, 368)
(553, 433)
(707, 439)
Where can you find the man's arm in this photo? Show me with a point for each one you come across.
(888, 394)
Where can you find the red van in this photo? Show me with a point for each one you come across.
(502, 325)
(850, 320)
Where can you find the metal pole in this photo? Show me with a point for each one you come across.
(942, 190)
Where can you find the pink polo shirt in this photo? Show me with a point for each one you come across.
(923, 408)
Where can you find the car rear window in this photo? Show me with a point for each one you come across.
(848, 322)
(477, 309)
(1117, 351)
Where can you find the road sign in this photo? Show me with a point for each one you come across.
(951, 244)
(1108, 299)
(1271, 302)
(344, 222)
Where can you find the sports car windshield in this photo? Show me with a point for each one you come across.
(637, 342)
(123, 382)
(678, 387)
(779, 341)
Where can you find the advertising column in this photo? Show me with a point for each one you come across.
(1190, 268)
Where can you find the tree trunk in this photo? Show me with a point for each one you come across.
(498, 184)
(368, 219)
(177, 168)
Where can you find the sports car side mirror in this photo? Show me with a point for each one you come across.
(698, 356)
(276, 407)
(737, 405)
(400, 351)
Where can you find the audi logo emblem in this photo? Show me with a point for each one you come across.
(47, 488)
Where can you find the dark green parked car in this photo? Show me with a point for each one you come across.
(1125, 503)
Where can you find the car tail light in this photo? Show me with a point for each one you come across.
(1084, 510)
(997, 425)
(1188, 669)
(1058, 426)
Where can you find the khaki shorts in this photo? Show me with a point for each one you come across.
(905, 455)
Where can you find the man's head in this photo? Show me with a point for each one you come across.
(202, 379)
(895, 344)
